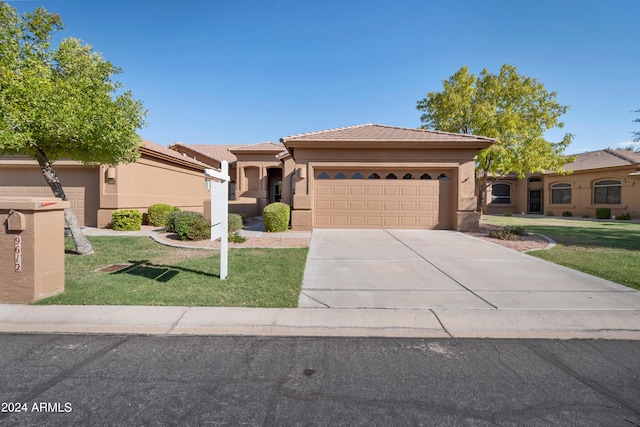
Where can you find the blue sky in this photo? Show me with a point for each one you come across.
(245, 71)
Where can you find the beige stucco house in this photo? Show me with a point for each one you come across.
(160, 175)
(599, 179)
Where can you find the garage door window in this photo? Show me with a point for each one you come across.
(374, 176)
(443, 177)
(425, 176)
(340, 175)
(407, 176)
(357, 175)
(391, 176)
(323, 175)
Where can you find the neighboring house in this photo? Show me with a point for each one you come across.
(160, 175)
(603, 178)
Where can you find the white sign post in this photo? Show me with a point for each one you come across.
(218, 184)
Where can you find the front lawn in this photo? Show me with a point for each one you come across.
(162, 275)
(607, 249)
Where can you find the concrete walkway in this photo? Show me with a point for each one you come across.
(434, 284)
(416, 269)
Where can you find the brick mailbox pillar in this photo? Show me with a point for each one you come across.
(31, 248)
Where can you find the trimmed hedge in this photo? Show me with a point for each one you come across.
(174, 217)
(126, 220)
(193, 228)
(157, 214)
(235, 223)
(276, 217)
(603, 213)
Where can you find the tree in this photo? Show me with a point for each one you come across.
(513, 109)
(61, 102)
(636, 134)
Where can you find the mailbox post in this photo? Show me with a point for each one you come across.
(218, 184)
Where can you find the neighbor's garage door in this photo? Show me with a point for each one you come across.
(380, 203)
(80, 185)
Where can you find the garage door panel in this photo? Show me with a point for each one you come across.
(424, 204)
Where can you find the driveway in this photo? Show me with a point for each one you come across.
(420, 269)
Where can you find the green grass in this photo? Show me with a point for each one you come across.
(162, 275)
(607, 249)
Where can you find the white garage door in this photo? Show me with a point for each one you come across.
(382, 203)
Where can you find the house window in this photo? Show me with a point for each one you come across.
(391, 176)
(561, 194)
(323, 175)
(357, 175)
(425, 176)
(536, 179)
(501, 194)
(407, 176)
(340, 175)
(607, 192)
(443, 177)
(374, 176)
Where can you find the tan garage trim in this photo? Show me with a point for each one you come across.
(382, 203)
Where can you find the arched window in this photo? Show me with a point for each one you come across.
(535, 179)
(425, 176)
(443, 177)
(391, 176)
(407, 176)
(501, 194)
(374, 176)
(357, 175)
(561, 194)
(323, 175)
(340, 175)
(607, 192)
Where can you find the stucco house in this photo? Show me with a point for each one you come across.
(160, 175)
(599, 179)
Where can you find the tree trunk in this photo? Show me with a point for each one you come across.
(83, 246)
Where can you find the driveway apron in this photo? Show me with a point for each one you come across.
(437, 269)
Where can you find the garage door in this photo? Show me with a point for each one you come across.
(382, 203)
(80, 186)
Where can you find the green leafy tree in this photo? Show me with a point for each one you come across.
(636, 135)
(513, 109)
(61, 102)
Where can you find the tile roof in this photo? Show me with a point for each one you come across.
(261, 146)
(603, 159)
(157, 150)
(218, 152)
(374, 132)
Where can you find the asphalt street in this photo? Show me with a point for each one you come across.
(57, 379)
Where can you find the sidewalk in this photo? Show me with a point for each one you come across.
(551, 324)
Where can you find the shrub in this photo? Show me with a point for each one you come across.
(244, 218)
(193, 228)
(625, 216)
(567, 213)
(603, 213)
(174, 217)
(508, 233)
(549, 213)
(235, 223)
(276, 217)
(157, 214)
(506, 213)
(236, 238)
(126, 220)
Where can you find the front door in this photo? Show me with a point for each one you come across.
(535, 201)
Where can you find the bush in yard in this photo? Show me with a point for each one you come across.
(508, 233)
(235, 223)
(624, 216)
(193, 228)
(244, 218)
(174, 217)
(276, 217)
(157, 214)
(126, 220)
(567, 213)
(506, 213)
(236, 238)
(603, 213)
(549, 213)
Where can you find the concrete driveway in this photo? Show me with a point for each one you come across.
(420, 269)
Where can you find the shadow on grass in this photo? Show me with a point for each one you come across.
(158, 272)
